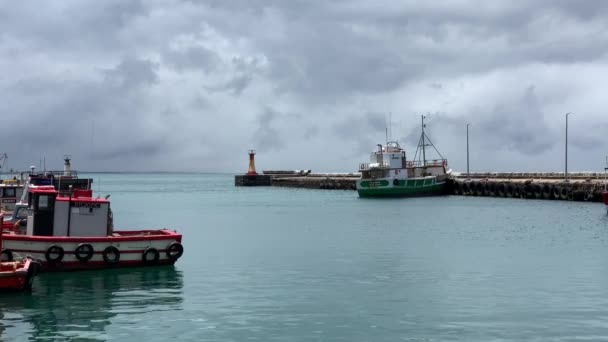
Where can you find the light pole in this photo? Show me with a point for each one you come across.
(566, 161)
(468, 173)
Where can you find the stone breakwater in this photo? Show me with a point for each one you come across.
(307, 179)
(581, 186)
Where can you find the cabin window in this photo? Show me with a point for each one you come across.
(379, 173)
(43, 202)
(10, 192)
(21, 213)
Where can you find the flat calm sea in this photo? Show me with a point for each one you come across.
(277, 264)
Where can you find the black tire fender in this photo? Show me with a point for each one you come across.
(6, 255)
(175, 250)
(108, 254)
(150, 256)
(84, 252)
(54, 254)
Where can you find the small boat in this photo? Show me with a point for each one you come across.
(74, 231)
(17, 275)
(390, 174)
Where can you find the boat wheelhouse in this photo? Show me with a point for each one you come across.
(10, 193)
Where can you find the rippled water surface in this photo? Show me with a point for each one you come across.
(272, 264)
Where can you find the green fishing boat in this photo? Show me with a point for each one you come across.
(390, 174)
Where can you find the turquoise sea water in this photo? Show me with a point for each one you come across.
(276, 264)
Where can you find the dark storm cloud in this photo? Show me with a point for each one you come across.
(137, 150)
(132, 73)
(361, 132)
(517, 124)
(76, 25)
(141, 80)
(520, 125)
(267, 136)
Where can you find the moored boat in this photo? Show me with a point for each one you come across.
(390, 174)
(75, 231)
(10, 192)
(18, 275)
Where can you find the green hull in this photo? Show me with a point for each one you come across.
(384, 188)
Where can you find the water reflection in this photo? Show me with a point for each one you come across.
(83, 304)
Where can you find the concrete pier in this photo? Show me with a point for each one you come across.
(309, 180)
(581, 186)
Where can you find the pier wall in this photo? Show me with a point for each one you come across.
(581, 186)
(307, 179)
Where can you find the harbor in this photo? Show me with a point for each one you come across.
(389, 173)
(581, 186)
(334, 171)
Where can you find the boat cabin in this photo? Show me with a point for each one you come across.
(383, 160)
(10, 193)
(78, 214)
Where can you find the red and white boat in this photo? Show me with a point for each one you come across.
(10, 193)
(75, 232)
(17, 275)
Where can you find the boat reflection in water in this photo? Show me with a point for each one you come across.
(85, 304)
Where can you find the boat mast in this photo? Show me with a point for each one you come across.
(423, 143)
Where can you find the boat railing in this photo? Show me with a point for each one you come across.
(66, 174)
(432, 162)
(373, 166)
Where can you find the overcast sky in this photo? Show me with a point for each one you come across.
(192, 85)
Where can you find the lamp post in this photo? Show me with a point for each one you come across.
(566, 161)
(468, 173)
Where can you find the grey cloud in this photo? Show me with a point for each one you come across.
(141, 149)
(517, 124)
(235, 85)
(132, 73)
(151, 79)
(71, 25)
(520, 125)
(267, 136)
(311, 132)
(364, 131)
(194, 58)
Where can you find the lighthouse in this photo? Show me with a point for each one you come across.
(251, 170)
(67, 167)
(252, 178)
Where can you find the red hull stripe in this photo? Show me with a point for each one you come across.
(138, 235)
(95, 252)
